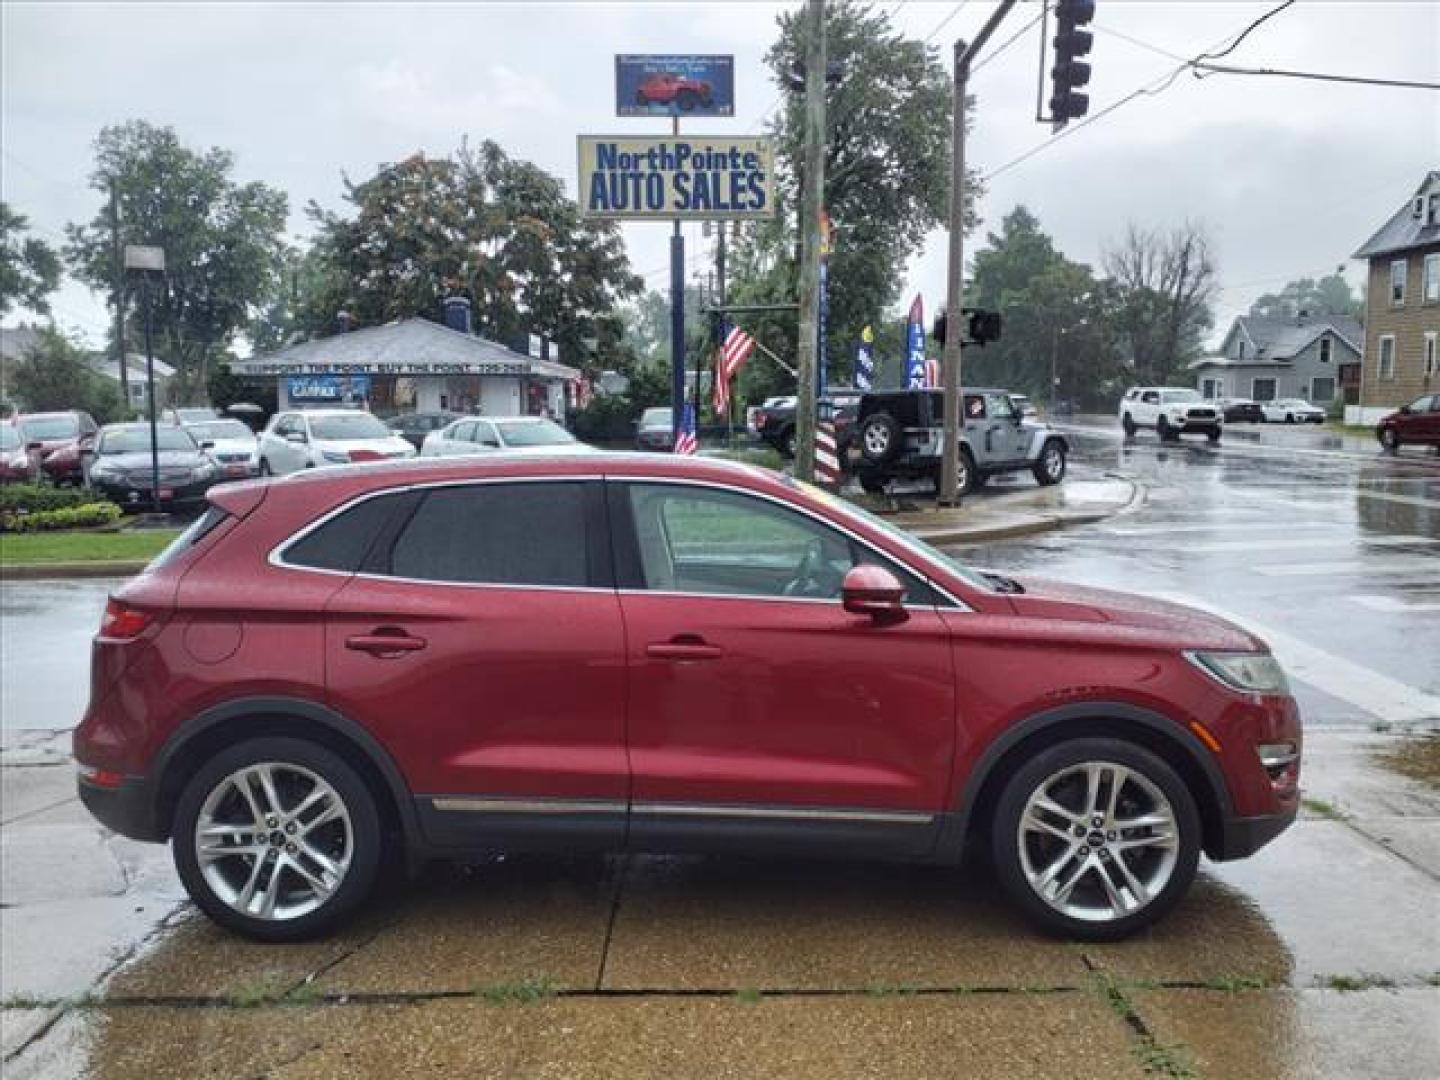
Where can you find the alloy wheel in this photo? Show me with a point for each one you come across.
(1098, 841)
(274, 840)
(1053, 462)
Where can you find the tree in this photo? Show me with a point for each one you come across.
(484, 225)
(223, 240)
(1330, 295)
(887, 181)
(29, 267)
(1166, 282)
(53, 374)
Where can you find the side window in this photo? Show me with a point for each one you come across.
(1000, 406)
(1150, 397)
(974, 407)
(498, 534)
(462, 432)
(342, 542)
(484, 434)
(286, 425)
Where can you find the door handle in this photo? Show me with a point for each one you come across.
(683, 647)
(385, 641)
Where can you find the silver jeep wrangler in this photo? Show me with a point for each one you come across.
(898, 434)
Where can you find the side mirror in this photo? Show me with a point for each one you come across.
(296, 437)
(209, 444)
(34, 447)
(874, 591)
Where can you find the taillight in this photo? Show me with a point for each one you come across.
(121, 622)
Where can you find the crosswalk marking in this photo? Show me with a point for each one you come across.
(1375, 693)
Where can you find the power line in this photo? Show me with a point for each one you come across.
(1011, 40)
(1211, 55)
(1318, 76)
(945, 21)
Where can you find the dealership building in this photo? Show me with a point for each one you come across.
(415, 365)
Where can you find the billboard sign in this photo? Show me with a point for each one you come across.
(674, 85)
(327, 389)
(639, 177)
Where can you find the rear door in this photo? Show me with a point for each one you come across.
(483, 641)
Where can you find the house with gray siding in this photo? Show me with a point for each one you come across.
(1272, 358)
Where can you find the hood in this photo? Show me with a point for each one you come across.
(385, 444)
(190, 459)
(1177, 625)
(233, 446)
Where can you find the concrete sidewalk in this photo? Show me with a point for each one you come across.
(1004, 512)
(1318, 958)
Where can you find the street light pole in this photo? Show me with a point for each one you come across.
(811, 196)
(146, 261)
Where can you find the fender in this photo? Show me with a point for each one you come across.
(311, 711)
(1040, 438)
(957, 822)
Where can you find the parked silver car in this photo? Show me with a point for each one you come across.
(524, 434)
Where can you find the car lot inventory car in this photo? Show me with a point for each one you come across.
(188, 414)
(1241, 411)
(351, 669)
(899, 434)
(1172, 411)
(1291, 411)
(654, 430)
(63, 437)
(311, 438)
(19, 460)
(120, 466)
(414, 427)
(519, 434)
(1416, 424)
(230, 443)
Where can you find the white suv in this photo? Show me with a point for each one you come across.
(1172, 411)
(317, 437)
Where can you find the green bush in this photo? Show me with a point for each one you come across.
(71, 517)
(32, 498)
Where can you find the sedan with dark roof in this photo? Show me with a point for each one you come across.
(122, 466)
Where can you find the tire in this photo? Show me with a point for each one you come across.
(1128, 424)
(1213, 434)
(966, 476)
(265, 469)
(879, 438)
(787, 443)
(1050, 469)
(1165, 431)
(1389, 441)
(1289, 418)
(350, 844)
(871, 484)
(1160, 871)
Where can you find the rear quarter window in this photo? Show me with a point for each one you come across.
(341, 542)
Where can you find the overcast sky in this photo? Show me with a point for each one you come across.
(1290, 176)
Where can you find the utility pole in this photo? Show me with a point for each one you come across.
(812, 194)
(677, 322)
(117, 270)
(950, 363)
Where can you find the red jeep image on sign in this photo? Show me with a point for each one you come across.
(664, 88)
(364, 667)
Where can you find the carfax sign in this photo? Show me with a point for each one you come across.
(623, 176)
(674, 85)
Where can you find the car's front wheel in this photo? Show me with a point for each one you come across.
(1050, 469)
(1095, 838)
(1128, 423)
(277, 838)
(1389, 441)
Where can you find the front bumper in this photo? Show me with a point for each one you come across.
(139, 496)
(1241, 837)
(128, 809)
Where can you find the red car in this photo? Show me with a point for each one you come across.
(62, 436)
(663, 88)
(657, 653)
(19, 461)
(1417, 423)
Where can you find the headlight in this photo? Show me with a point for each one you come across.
(1256, 673)
(203, 472)
(336, 457)
(104, 471)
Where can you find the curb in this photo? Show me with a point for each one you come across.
(41, 571)
(1039, 523)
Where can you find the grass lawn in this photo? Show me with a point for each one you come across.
(16, 548)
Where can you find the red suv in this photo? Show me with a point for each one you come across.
(663, 88)
(655, 652)
(1417, 424)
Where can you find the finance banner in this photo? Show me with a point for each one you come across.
(711, 178)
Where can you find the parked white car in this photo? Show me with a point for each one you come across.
(316, 437)
(1292, 411)
(230, 444)
(521, 434)
(1172, 411)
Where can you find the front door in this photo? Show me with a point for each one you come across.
(484, 646)
(759, 709)
(1012, 440)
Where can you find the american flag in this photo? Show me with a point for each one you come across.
(932, 373)
(735, 348)
(685, 442)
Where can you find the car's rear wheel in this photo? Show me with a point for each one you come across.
(1128, 423)
(277, 838)
(967, 477)
(1095, 838)
(1050, 469)
(787, 443)
(265, 469)
(1165, 431)
(1213, 434)
(1289, 418)
(1389, 440)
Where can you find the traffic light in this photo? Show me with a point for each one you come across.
(1070, 71)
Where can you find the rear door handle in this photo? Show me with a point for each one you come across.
(385, 641)
(683, 647)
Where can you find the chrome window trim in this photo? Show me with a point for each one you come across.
(275, 557)
(501, 804)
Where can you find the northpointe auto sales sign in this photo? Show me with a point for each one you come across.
(676, 177)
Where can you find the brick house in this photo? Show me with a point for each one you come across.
(1266, 359)
(1402, 316)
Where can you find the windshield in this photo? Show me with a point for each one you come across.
(534, 433)
(358, 425)
(220, 429)
(906, 539)
(135, 440)
(1174, 397)
(9, 438)
(655, 418)
(44, 428)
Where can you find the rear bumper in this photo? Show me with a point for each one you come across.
(128, 809)
(1243, 836)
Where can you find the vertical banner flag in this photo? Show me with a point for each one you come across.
(686, 442)
(865, 360)
(915, 346)
(825, 233)
(735, 346)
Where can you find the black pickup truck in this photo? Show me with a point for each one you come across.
(775, 424)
